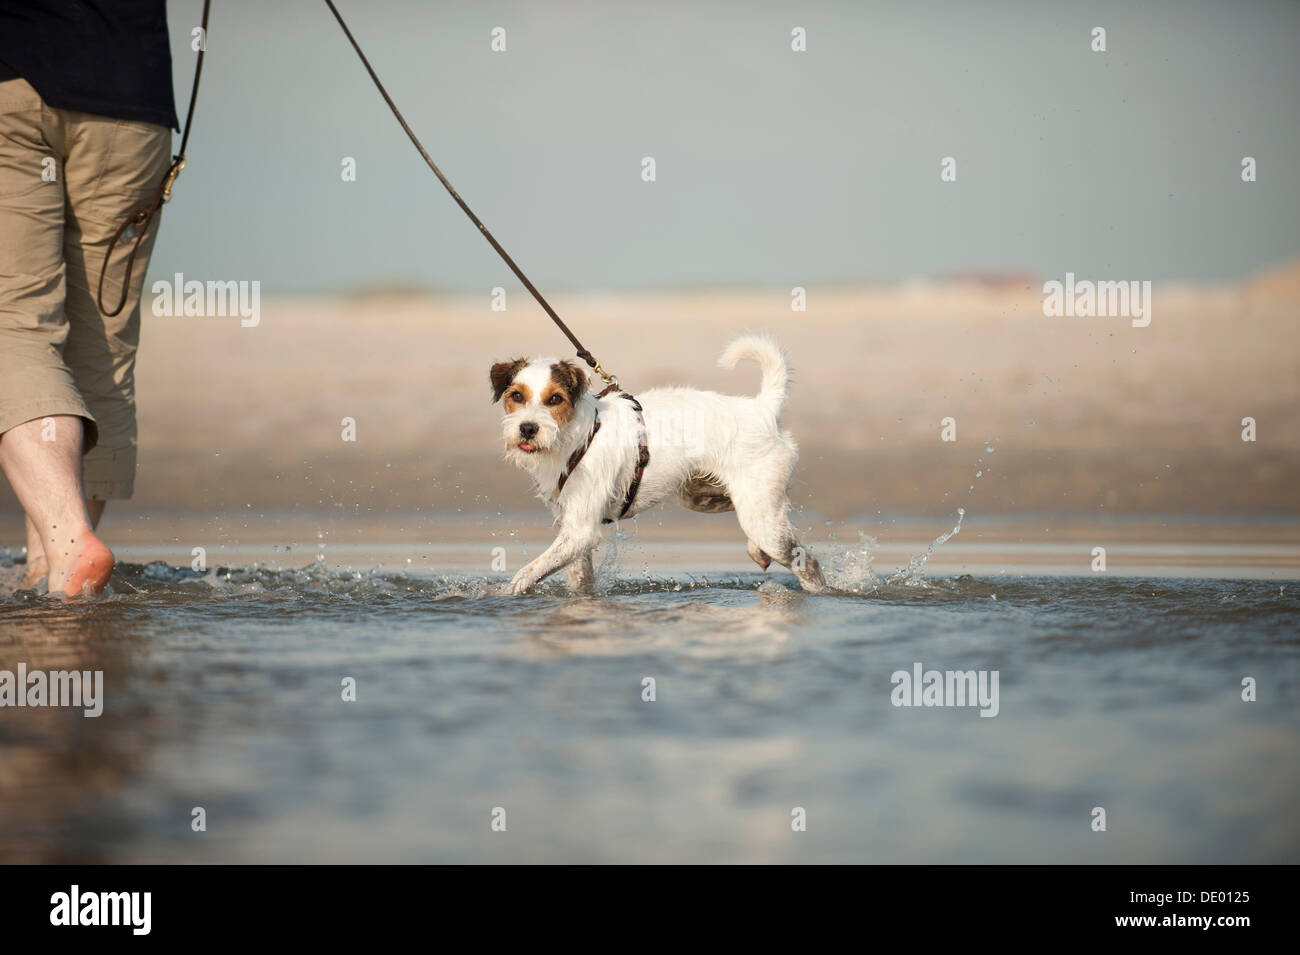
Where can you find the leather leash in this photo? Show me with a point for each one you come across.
(142, 218)
(643, 456)
(582, 353)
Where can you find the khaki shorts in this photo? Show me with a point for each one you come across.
(58, 354)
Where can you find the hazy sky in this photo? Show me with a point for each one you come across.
(774, 167)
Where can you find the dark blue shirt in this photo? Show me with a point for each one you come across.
(108, 57)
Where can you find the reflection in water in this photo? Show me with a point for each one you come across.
(58, 768)
(695, 628)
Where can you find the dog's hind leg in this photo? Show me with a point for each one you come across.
(806, 568)
(764, 519)
(582, 576)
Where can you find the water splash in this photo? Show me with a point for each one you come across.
(911, 575)
(315, 580)
(611, 559)
(849, 571)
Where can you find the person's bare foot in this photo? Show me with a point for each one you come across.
(42, 460)
(80, 564)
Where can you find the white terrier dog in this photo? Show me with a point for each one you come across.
(598, 458)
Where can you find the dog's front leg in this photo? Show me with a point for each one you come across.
(573, 543)
(582, 576)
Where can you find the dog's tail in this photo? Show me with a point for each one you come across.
(776, 371)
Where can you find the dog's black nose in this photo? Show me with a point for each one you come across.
(527, 429)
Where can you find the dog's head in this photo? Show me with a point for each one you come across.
(541, 398)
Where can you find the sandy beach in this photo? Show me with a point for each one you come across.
(1069, 431)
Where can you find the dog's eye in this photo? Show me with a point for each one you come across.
(556, 400)
(516, 396)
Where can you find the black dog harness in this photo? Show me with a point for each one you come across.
(642, 458)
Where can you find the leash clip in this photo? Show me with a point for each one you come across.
(608, 378)
(172, 173)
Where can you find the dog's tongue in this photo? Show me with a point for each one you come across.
(525, 446)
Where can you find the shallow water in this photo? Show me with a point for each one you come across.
(223, 691)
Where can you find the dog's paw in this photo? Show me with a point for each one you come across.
(512, 588)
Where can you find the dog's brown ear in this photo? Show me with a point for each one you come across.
(502, 373)
(571, 378)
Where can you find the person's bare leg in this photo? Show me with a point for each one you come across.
(43, 465)
(37, 566)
